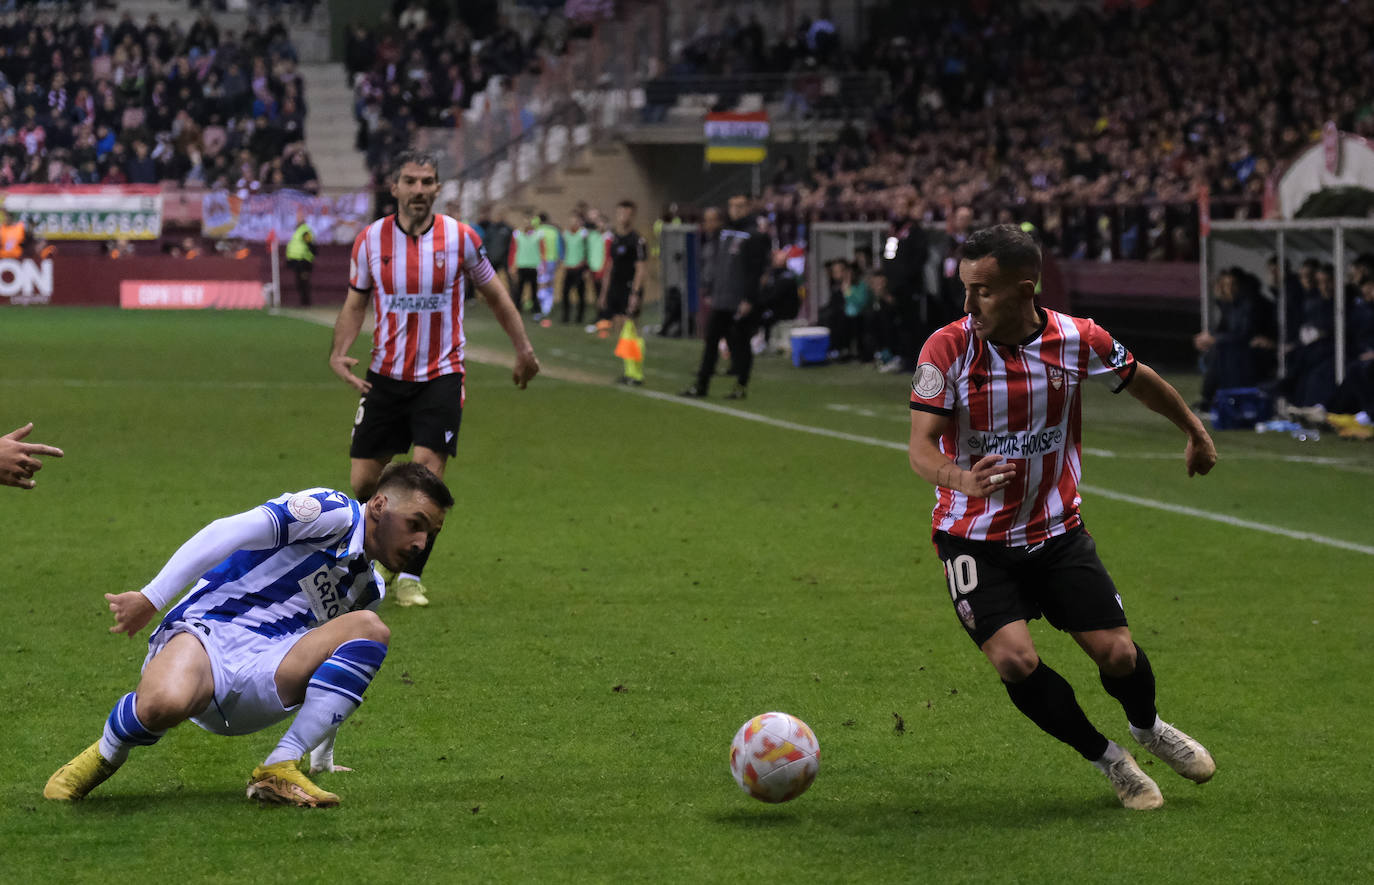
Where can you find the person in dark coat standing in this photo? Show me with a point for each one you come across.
(740, 265)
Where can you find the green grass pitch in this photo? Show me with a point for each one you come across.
(626, 579)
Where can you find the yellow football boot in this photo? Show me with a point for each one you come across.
(284, 783)
(409, 592)
(79, 776)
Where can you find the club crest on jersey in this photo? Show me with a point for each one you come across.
(1118, 357)
(928, 381)
(1056, 377)
(439, 260)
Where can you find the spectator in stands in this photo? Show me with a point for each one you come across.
(1349, 410)
(1311, 369)
(1239, 350)
(299, 173)
(141, 168)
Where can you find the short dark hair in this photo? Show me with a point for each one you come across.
(419, 158)
(411, 476)
(1014, 249)
(628, 204)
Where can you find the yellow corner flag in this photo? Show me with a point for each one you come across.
(630, 348)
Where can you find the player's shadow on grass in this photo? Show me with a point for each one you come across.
(180, 801)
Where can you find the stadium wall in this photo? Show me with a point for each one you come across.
(94, 280)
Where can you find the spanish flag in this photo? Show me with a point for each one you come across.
(630, 348)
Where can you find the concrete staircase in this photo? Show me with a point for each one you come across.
(330, 129)
(602, 175)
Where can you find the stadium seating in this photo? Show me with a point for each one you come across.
(88, 99)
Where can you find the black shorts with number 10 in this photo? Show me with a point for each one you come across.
(393, 415)
(1062, 579)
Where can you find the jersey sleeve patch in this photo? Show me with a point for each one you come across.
(1119, 355)
(304, 508)
(928, 382)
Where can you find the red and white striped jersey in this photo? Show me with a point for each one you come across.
(1022, 402)
(421, 283)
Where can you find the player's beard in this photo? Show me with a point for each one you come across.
(417, 211)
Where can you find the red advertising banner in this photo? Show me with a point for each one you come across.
(191, 294)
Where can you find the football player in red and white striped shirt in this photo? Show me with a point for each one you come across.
(995, 426)
(415, 268)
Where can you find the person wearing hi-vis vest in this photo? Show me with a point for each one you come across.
(548, 267)
(300, 256)
(598, 238)
(13, 235)
(526, 255)
(575, 266)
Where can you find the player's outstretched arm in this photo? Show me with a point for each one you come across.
(18, 461)
(526, 363)
(1160, 396)
(988, 476)
(346, 328)
(251, 530)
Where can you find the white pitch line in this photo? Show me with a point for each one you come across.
(1229, 520)
(901, 447)
(1096, 490)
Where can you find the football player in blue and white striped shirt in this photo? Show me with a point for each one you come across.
(281, 619)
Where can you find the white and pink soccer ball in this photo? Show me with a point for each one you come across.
(774, 757)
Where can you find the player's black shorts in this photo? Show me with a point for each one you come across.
(1062, 579)
(617, 301)
(395, 414)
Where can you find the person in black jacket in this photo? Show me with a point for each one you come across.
(740, 265)
(904, 263)
(1240, 350)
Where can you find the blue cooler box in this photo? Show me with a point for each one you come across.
(1240, 408)
(810, 345)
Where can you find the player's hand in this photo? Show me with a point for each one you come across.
(343, 367)
(743, 311)
(1201, 455)
(132, 611)
(990, 475)
(17, 461)
(632, 306)
(526, 367)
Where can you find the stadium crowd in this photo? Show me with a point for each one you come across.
(1101, 127)
(420, 66)
(101, 102)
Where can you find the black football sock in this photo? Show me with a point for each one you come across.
(1047, 699)
(1135, 692)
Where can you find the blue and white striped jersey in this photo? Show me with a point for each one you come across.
(297, 562)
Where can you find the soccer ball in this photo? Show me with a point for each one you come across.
(774, 757)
